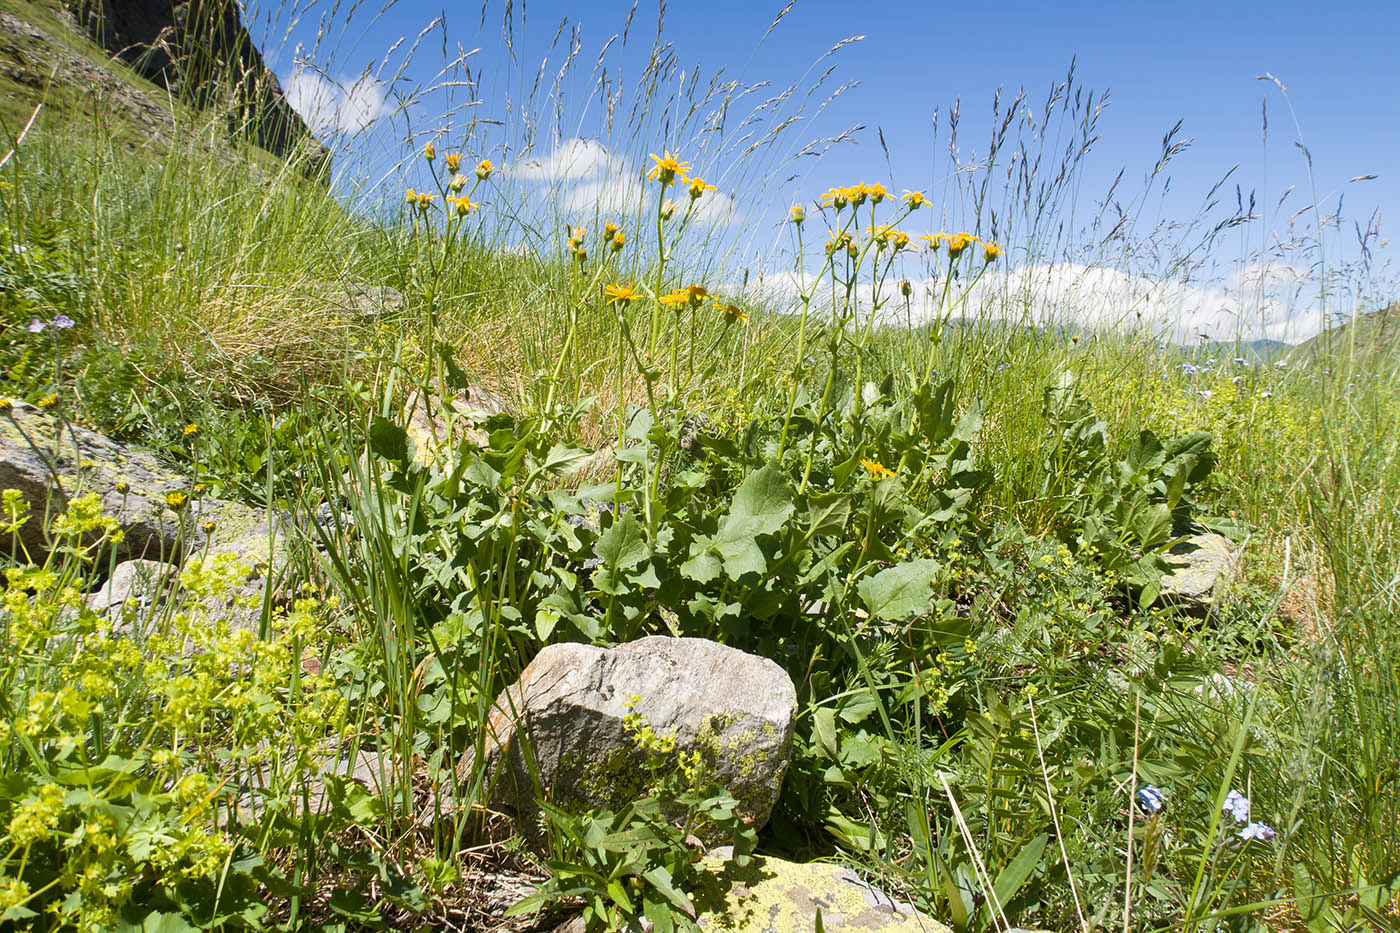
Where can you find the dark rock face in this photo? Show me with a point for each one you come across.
(200, 50)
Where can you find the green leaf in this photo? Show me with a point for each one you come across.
(828, 514)
(563, 460)
(660, 879)
(761, 506)
(1014, 876)
(622, 546)
(388, 440)
(896, 593)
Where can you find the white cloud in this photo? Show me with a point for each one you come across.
(345, 105)
(573, 160)
(1073, 295)
(600, 182)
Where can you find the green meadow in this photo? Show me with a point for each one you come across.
(950, 530)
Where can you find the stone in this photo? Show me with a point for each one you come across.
(356, 300)
(50, 462)
(772, 895)
(1201, 566)
(134, 588)
(735, 709)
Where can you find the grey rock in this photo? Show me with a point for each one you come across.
(51, 463)
(1201, 565)
(773, 895)
(133, 591)
(734, 708)
(357, 300)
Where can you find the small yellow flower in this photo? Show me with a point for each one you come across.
(424, 200)
(856, 194)
(915, 199)
(620, 294)
(675, 299)
(618, 241)
(410, 196)
(200, 489)
(429, 152)
(876, 469)
(959, 242)
(693, 295)
(576, 233)
(797, 214)
(697, 187)
(48, 401)
(453, 161)
(668, 209)
(464, 206)
(6, 404)
(458, 182)
(732, 312)
(876, 192)
(177, 500)
(991, 251)
(208, 528)
(933, 239)
(905, 288)
(123, 487)
(666, 169)
(484, 168)
(191, 429)
(609, 229)
(836, 197)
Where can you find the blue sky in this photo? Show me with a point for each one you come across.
(1196, 63)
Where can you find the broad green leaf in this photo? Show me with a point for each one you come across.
(388, 440)
(563, 460)
(900, 591)
(824, 732)
(762, 504)
(622, 546)
(827, 514)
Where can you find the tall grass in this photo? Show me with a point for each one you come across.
(982, 757)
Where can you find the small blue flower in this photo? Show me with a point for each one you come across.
(1236, 805)
(1150, 800)
(1241, 361)
(1258, 831)
(63, 322)
(36, 326)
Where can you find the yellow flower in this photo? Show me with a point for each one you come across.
(668, 209)
(191, 429)
(836, 197)
(620, 294)
(905, 288)
(410, 197)
(48, 401)
(876, 192)
(453, 161)
(797, 214)
(697, 187)
(856, 194)
(6, 403)
(933, 239)
(458, 182)
(484, 168)
(915, 199)
(464, 206)
(609, 228)
(666, 169)
(732, 312)
(425, 200)
(429, 152)
(176, 500)
(991, 251)
(618, 241)
(959, 242)
(692, 295)
(876, 469)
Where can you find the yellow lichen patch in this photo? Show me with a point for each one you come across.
(776, 896)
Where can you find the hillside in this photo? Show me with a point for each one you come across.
(1367, 339)
(134, 70)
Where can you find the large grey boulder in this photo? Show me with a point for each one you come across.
(1201, 567)
(570, 703)
(51, 463)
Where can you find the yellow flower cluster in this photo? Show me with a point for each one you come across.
(693, 295)
(876, 469)
(957, 243)
(854, 195)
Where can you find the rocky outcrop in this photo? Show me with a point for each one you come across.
(1200, 569)
(201, 52)
(572, 702)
